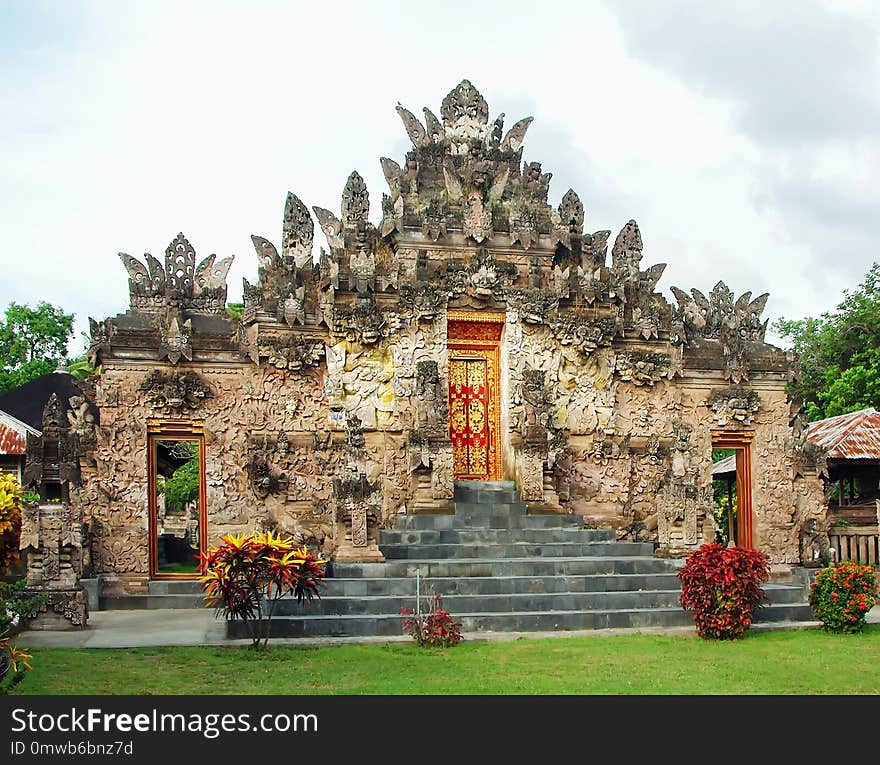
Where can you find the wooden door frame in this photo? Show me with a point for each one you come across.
(741, 441)
(175, 430)
(474, 347)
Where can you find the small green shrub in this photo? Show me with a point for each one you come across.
(722, 587)
(841, 596)
(15, 605)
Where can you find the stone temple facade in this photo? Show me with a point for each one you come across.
(475, 332)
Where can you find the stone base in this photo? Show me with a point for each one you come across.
(63, 610)
(369, 554)
(93, 590)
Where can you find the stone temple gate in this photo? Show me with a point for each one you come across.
(476, 332)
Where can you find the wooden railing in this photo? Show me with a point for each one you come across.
(860, 544)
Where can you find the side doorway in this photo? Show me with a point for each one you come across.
(732, 484)
(176, 498)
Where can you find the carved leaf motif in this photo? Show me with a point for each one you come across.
(453, 183)
(499, 183)
(157, 273)
(180, 265)
(331, 226)
(220, 271)
(136, 271)
(414, 129)
(435, 130)
(571, 211)
(298, 231)
(464, 101)
(653, 274)
(266, 252)
(355, 199)
(391, 170)
(514, 137)
(203, 272)
(629, 240)
(756, 307)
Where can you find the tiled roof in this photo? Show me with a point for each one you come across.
(13, 434)
(853, 436)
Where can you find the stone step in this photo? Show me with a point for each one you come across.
(482, 506)
(466, 567)
(512, 621)
(490, 536)
(495, 585)
(138, 602)
(516, 550)
(175, 587)
(429, 521)
(455, 604)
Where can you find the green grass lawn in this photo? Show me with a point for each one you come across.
(778, 662)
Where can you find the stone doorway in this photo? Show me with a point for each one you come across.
(176, 499)
(473, 343)
(740, 529)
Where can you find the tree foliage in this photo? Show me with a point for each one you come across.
(183, 487)
(839, 353)
(32, 342)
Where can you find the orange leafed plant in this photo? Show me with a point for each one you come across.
(246, 575)
(13, 664)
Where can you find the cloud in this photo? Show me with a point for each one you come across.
(126, 123)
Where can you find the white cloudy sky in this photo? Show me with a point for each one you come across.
(743, 136)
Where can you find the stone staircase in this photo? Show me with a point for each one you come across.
(498, 568)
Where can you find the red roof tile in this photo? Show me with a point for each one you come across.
(12, 441)
(853, 436)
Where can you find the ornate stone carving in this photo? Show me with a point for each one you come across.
(52, 458)
(293, 352)
(175, 390)
(735, 324)
(354, 431)
(733, 405)
(642, 367)
(582, 332)
(431, 406)
(423, 301)
(356, 514)
(538, 399)
(179, 284)
(175, 337)
(264, 479)
(53, 537)
(571, 213)
(100, 334)
(363, 323)
(355, 200)
(298, 233)
(483, 277)
(534, 305)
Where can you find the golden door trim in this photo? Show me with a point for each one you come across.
(490, 352)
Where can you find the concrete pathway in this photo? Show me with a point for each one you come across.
(161, 627)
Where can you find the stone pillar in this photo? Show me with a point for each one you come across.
(52, 535)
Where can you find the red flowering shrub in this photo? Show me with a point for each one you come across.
(434, 627)
(722, 586)
(841, 595)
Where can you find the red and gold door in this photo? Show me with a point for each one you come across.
(468, 423)
(474, 415)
